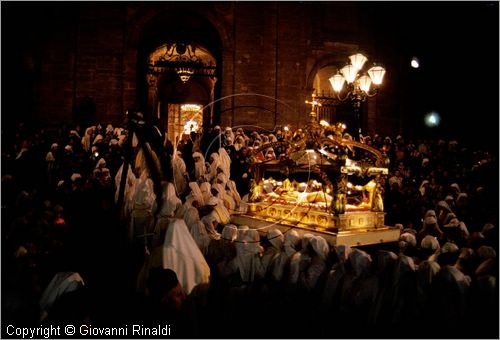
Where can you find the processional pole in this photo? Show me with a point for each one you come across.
(126, 162)
(137, 126)
(154, 171)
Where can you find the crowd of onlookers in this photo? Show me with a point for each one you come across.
(61, 226)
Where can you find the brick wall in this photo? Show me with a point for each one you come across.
(99, 61)
(267, 54)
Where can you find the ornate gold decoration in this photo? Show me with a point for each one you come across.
(321, 149)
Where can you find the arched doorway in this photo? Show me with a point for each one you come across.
(181, 77)
(183, 103)
(179, 63)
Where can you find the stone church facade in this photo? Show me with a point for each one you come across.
(87, 62)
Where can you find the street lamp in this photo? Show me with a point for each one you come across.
(359, 85)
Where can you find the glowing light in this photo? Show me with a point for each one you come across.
(414, 62)
(349, 185)
(432, 119)
(376, 74)
(358, 60)
(193, 113)
(190, 107)
(349, 72)
(324, 123)
(184, 73)
(364, 83)
(286, 128)
(190, 126)
(337, 82)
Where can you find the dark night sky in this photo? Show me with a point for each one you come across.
(458, 47)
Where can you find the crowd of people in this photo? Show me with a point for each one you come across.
(66, 224)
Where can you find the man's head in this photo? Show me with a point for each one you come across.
(165, 288)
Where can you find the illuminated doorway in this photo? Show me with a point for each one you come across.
(182, 119)
(181, 87)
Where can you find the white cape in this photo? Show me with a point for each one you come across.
(61, 283)
(182, 255)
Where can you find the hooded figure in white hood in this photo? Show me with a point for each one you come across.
(225, 197)
(206, 191)
(225, 261)
(222, 179)
(451, 297)
(248, 261)
(356, 290)
(333, 282)
(380, 311)
(219, 212)
(214, 164)
(310, 277)
(87, 138)
(426, 273)
(225, 162)
(240, 205)
(170, 200)
(404, 286)
(180, 173)
(143, 206)
(191, 215)
(170, 203)
(273, 253)
(291, 242)
(199, 166)
(200, 236)
(211, 221)
(182, 255)
(196, 193)
(61, 283)
(300, 260)
(128, 193)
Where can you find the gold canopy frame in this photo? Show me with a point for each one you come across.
(320, 151)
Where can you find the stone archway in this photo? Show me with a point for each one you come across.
(160, 91)
(152, 26)
(213, 14)
(173, 95)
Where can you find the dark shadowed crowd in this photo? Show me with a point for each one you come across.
(76, 250)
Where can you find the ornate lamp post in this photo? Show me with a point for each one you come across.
(359, 85)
